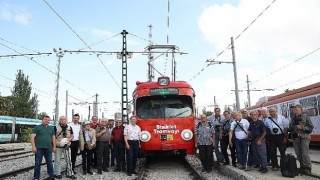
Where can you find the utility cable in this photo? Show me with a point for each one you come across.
(81, 39)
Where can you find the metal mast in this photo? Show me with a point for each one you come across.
(59, 53)
(124, 89)
(150, 57)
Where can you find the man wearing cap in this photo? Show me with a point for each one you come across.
(131, 138)
(64, 135)
(103, 145)
(301, 128)
(94, 124)
(87, 143)
(117, 140)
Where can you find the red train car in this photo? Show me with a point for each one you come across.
(165, 113)
(308, 97)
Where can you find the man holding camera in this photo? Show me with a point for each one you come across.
(277, 127)
(224, 139)
(216, 123)
(301, 127)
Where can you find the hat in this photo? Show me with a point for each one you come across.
(87, 122)
(296, 105)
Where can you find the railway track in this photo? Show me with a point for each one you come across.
(11, 150)
(171, 167)
(8, 159)
(14, 154)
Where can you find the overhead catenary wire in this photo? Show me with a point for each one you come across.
(47, 69)
(83, 41)
(237, 37)
(18, 45)
(100, 41)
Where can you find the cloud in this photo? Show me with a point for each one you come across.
(14, 13)
(289, 29)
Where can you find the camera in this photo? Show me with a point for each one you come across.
(297, 120)
(217, 127)
(101, 128)
(249, 141)
(275, 130)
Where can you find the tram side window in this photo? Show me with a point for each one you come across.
(5, 128)
(309, 106)
(318, 99)
(284, 110)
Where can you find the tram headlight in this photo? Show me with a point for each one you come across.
(145, 136)
(186, 134)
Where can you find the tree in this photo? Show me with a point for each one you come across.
(41, 115)
(5, 106)
(208, 113)
(23, 105)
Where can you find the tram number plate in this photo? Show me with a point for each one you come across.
(163, 137)
(166, 137)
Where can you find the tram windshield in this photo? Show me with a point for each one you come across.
(173, 106)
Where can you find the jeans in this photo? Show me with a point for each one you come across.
(132, 155)
(86, 159)
(47, 154)
(74, 151)
(224, 149)
(276, 141)
(206, 156)
(242, 150)
(119, 150)
(218, 153)
(57, 161)
(103, 155)
(111, 157)
(260, 152)
(301, 148)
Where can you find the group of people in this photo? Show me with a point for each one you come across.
(98, 144)
(253, 139)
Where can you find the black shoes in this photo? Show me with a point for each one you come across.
(58, 176)
(105, 170)
(226, 163)
(84, 173)
(116, 170)
(99, 172)
(134, 172)
(203, 170)
(264, 170)
(72, 177)
(234, 164)
(129, 174)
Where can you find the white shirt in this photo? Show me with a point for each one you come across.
(76, 131)
(239, 133)
(132, 132)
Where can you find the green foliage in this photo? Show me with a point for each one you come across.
(5, 104)
(41, 115)
(208, 113)
(23, 105)
(26, 133)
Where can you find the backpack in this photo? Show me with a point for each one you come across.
(289, 168)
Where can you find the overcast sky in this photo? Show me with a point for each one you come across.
(268, 51)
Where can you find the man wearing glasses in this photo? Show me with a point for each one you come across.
(117, 140)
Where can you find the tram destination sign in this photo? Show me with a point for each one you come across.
(164, 91)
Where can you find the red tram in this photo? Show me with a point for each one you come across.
(165, 113)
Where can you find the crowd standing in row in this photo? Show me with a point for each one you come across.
(253, 140)
(96, 142)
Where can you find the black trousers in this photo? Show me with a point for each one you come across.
(86, 159)
(276, 141)
(206, 156)
(74, 146)
(119, 152)
(103, 155)
(94, 157)
(268, 148)
(112, 156)
(224, 149)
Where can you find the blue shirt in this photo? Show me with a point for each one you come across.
(257, 129)
(216, 122)
(280, 120)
